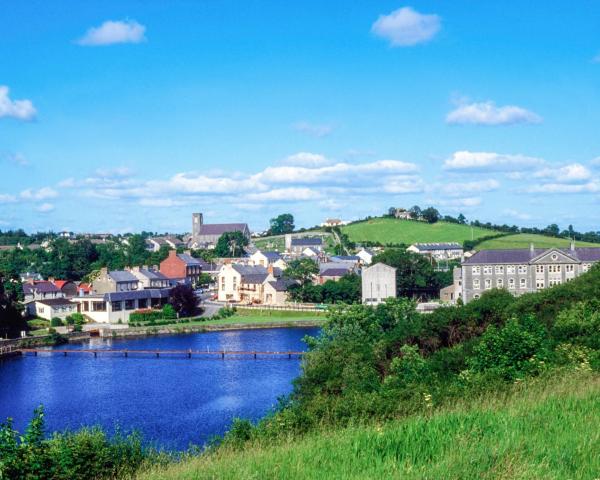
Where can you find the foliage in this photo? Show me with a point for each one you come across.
(231, 244)
(345, 290)
(145, 316)
(430, 215)
(56, 322)
(302, 270)
(183, 300)
(224, 312)
(168, 312)
(11, 320)
(282, 224)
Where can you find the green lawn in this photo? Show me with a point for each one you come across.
(523, 240)
(543, 430)
(389, 230)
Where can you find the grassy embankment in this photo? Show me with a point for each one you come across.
(542, 429)
(276, 243)
(523, 240)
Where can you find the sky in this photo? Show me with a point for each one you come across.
(120, 116)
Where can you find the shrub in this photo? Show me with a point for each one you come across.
(145, 316)
(579, 324)
(169, 312)
(56, 322)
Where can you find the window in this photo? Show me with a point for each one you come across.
(116, 306)
(222, 283)
(569, 268)
(487, 270)
(554, 268)
(476, 296)
(129, 304)
(477, 270)
(499, 269)
(585, 267)
(142, 303)
(539, 269)
(522, 269)
(511, 283)
(500, 283)
(539, 284)
(523, 283)
(554, 281)
(476, 284)
(488, 283)
(511, 269)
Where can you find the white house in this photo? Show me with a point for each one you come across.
(378, 283)
(366, 256)
(55, 307)
(252, 284)
(438, 251)
(264, 259)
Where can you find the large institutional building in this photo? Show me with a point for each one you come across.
(521, 270)
(206, 235)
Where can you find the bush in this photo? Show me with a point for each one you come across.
(224, 312)
(145, 316)
(169, 312)
(579, 324)
(56, 322)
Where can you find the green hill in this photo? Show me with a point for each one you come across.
(390, 230)
(523, 240)
(541, 430)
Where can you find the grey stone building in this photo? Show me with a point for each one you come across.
(206, 235)
(378, 283)
(523, 270)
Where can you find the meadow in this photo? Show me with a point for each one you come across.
(524, 240)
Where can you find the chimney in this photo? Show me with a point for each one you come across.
(188, 252)
(572, 245)
(51, 279)
(270, 269)
(31, 281)
(531, 248)
(104, 271)
(172, 253)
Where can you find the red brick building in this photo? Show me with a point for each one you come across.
(181, 266)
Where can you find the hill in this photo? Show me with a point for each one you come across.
(539, 430)
(523, 240)
(390, 230)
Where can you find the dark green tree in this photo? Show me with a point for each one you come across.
(431, 215)
(302, 270)
(282, 224)
(462, 219)
(415, 212)
(231, 244)
(11, 320)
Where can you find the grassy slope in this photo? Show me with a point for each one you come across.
(523, 240)
(387, 230)
(544, 430)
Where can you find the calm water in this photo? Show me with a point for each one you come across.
(172, 401)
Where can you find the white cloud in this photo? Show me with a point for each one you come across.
(41, 194)
(285, 195)
(402, 184)
(45, 208)
(7, 198)
(465, 188)
(67, 183)
(161, 202)
(551, 188)
(112, 32)
(313, 129)
(19, 109)
(406, 27)
(487, 113)
(572, 173)
(486, 161)
(306, 159)
(516, 214)
(459, 202)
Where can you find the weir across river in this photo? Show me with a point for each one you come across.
(158, 353)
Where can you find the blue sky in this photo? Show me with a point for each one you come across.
(129, 115)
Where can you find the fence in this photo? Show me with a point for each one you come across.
(296, 307)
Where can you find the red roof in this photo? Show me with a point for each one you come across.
(85, 287)
(60, 283)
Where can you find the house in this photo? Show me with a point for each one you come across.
(296, 245)
(366, 256)
(354, 260)
(378, 283)
(242, 283)
(438, 251)
(116, 307)
(523, 270)
(452, 293)
(154, 244)
(39, 290)
(334, 271)
(333, 222)
(55, 308)
(267, 258)
(84, 289)
(181, 267)
(276, 291)
(206, 235)
(311, 252)
(150, 277)
(115, 281)
(68, 287)
(402, 214)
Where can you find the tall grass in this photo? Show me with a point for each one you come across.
(543, 429)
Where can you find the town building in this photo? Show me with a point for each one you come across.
(181, 267)
(523, 270)
(154, 244)
(150, 277)
(252, 284)
(265, 259)
(402, 214)
(297, 245)
(67, 287)
(438, 251)
(366, 256)
(452, 293)
(115, 281)
(55, 308)
(39, 290)
(378, 283)
(335, 270)
(206, 235)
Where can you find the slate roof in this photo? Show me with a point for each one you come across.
(251, 274)
(334, 272)
(153, 274)
(282, 284)
(334, 266)
(41, 287)
(525, 255)
(346, 258)
(56, 301)
(188, 259)
(122, 276)
(221, 228)
(271, 256)
(428, 247)
(137, 294)
(307, 241)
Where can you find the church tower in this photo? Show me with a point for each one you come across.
(196, 224)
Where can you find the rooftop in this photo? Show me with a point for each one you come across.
(526, 255)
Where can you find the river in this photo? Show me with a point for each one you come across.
(172, 401)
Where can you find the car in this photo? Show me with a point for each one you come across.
(199, 291)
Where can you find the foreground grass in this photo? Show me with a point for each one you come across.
(546, 429)
(389, 230)
(523, 240)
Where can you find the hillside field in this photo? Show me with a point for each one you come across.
(389, 230)
(523, 240)
(541, 430)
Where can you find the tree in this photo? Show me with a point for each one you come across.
(282, 224)
(11, 320)
(136, 251)
(430, 215)
(415, 212)
(301, 269)
(231, 244)
(183, 300)
(391, 212)
(462, 219)
(552, 230)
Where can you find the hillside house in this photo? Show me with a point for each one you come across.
(366, 256)
(378, 283)
(154, 244)
(265, 259)
(297, 245)
(402, 214)
(67, 287)
(438, 251)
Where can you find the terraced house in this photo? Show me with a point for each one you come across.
(522, 270)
